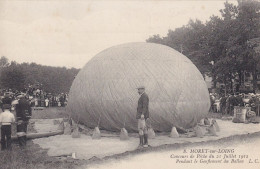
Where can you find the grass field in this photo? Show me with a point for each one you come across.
(33, 157)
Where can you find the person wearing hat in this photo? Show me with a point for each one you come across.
(6, 120)
(23, 114)
(253, 102)
(142, 116)
(6, 100)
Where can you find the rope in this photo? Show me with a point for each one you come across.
(150, 121)
(99, 120)
(78, 119)
(124, 121)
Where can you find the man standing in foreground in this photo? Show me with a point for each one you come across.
(23, 114)
(142, 116)
(6, 120)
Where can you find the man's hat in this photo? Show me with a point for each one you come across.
(20, 95)
(140, 87)
(6, 106)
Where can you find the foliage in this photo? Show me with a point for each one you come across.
(53, 79)
(3, 62)
(220, 47)
(12, 77)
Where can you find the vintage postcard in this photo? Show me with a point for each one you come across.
(149, 84)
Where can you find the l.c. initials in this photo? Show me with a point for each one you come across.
(254, 161)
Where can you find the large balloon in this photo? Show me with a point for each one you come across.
(105, 91)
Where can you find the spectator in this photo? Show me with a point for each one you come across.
(6, 119)
(23, 114)
(46, 102)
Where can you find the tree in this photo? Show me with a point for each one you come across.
(3, 62)
(189, 40)
(155, 39)
(248, 20)
(12, 77)
(220, 48)
(53, 79)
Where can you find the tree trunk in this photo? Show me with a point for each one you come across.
(225, 84)
(231, 86)
(214, 81)
(240, 78)
(255, 80)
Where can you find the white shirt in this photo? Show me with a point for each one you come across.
(6, 118)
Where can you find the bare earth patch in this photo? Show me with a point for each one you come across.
(160, 157)
(86, 148)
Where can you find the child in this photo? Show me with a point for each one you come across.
(6, 120)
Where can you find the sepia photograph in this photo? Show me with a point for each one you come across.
(129, 84)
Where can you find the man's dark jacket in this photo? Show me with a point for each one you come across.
(23, 110)
(7, 100)
(143, 106)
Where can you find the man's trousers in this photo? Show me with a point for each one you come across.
(6, 137)
(21, 133)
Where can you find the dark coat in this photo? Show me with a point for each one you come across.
(7, 100)
(23, 110)
(143, 106)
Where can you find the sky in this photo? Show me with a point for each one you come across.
(69, 33)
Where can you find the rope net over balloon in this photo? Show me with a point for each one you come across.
(105, 88)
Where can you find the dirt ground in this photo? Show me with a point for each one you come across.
(86, 148)
(36, 157)
(163, 156)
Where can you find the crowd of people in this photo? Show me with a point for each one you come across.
(37, 97)
(16, 107)
(20, 116)
(225, 104)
